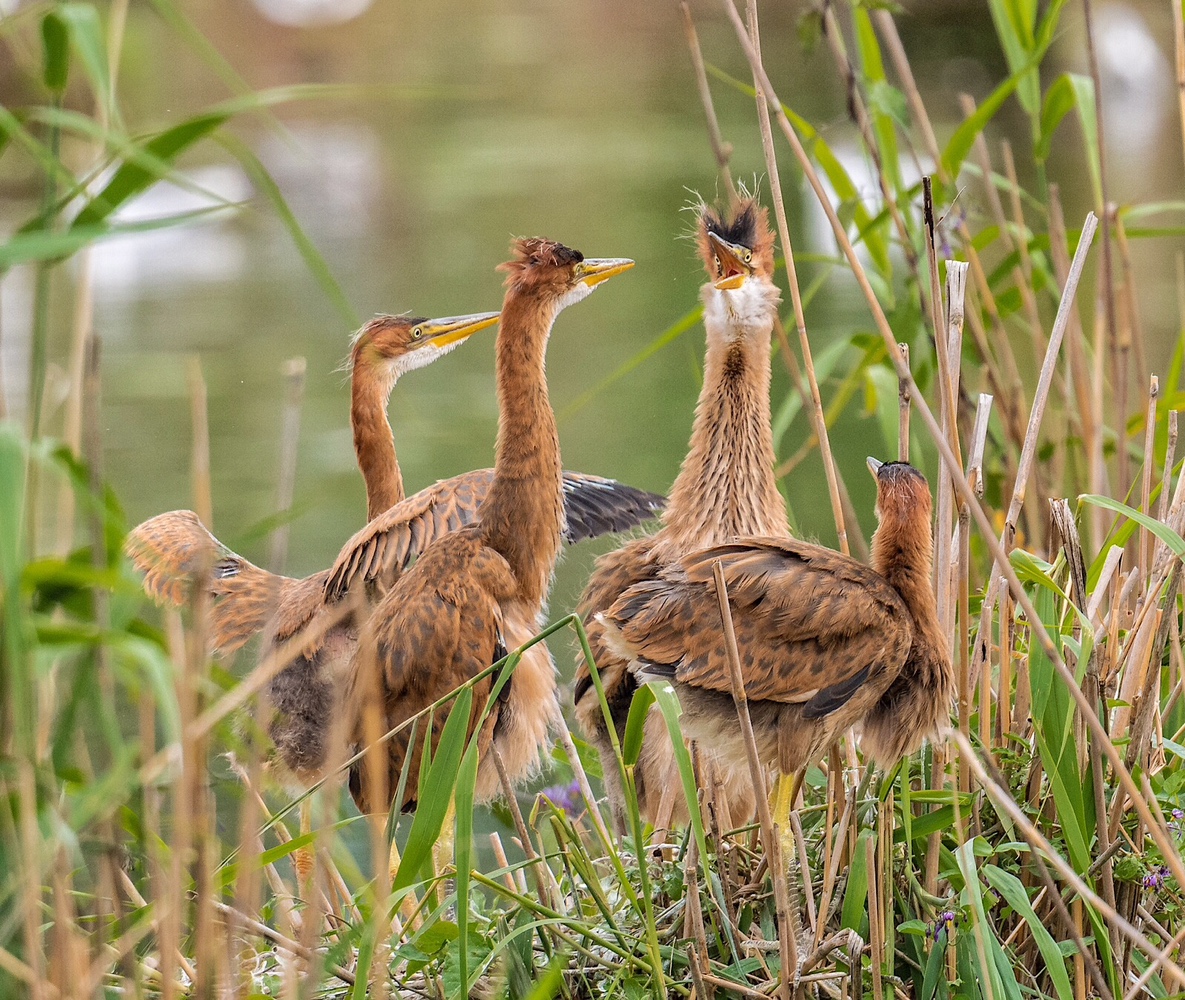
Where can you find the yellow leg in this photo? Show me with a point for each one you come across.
(785, 792)
(304, 858)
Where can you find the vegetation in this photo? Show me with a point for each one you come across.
(1037, 853)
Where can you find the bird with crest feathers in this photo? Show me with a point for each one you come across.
(725, 490)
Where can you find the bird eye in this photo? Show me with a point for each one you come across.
(748, 256)
(417, 333)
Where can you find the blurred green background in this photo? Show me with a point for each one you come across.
(472, 122)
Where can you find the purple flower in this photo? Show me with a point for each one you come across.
(945, 919)
(1177, 822)
(1156, 878)
(565, 797)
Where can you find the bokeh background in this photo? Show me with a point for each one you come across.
(472, 122)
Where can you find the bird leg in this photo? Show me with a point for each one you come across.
(785, 794)
(444, 850)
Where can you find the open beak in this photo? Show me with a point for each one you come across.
(873, 465)
(593, 270)
(451, 329)
(735, 263)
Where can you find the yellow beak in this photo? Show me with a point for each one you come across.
(449, 330)
(593, 270)
(735, 263)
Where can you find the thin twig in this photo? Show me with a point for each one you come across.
(769, 834)
(771, 165)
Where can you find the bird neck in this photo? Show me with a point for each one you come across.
(726, 488)
(902, 552)
(522, 516)
(374, 445)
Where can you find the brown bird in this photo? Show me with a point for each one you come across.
(825, 642)
(480, 591)
(174, 549)
(725, 490)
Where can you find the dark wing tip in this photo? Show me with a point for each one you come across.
(594, 506)
(831, 698)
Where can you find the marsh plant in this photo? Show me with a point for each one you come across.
(1036, 852)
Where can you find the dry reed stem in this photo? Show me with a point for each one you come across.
(1146, 482)
(787, 922)
(1170, 456)
(721, 150)
(590, 799)
(1024, 276)
(956, 287)
(818, 417)
(1133, 323)
(948, 408)
(1015, 240)
(200, 457)
(947, 456)
(1090, 419)
(903, 398)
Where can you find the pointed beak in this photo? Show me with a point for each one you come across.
(736, 263)
(451, 329)
(593, 270)
(874, 466)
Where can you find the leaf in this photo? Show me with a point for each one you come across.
(856, 893)
(132, 178)
(86, 31)
(42, 244)
(964, 138)
(1013, 891)
(55, 46)
(1162, 531)
(635, 724)
(442, 776)
(1068, 92)
(313, 260)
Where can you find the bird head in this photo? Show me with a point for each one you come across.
(555, 272)
(737, 246)
(902, 493)
(737, 249)
(399, 344)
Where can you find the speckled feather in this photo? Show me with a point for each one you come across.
(724, 490)
(824, 641)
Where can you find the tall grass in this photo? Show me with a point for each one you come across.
(1036, 852)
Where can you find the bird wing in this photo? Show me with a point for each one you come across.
(439, 626)
(174, 550)
(811, 625)
(592, 506)
(614, 573)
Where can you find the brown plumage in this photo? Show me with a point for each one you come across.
(480, 591)
(825, 642)
(725, 489)
(175, 549)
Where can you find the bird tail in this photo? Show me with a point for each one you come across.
(175, 550)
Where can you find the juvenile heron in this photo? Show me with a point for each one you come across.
(725, 490)
(825, 642)
(480, 591)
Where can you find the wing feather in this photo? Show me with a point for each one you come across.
(593, 506)
(812, 626)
